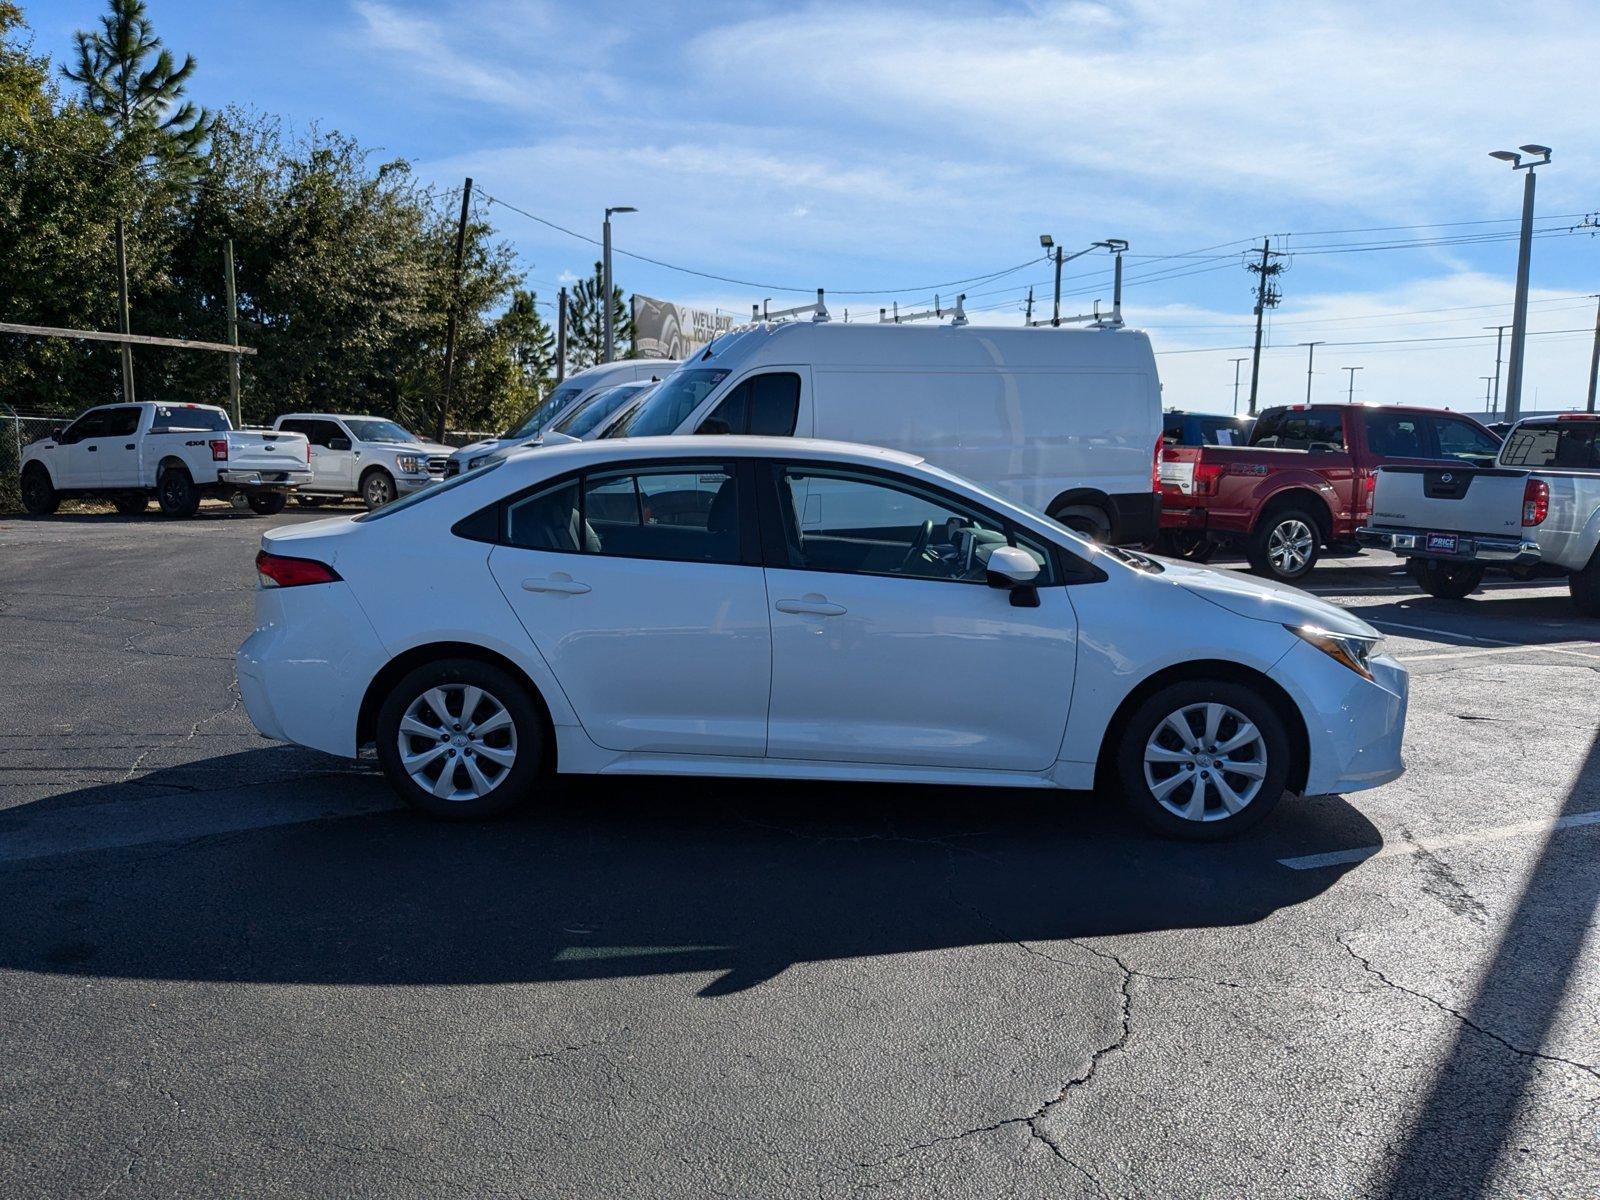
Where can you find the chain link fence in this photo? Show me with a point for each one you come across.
(17, 430)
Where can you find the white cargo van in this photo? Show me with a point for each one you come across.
(1067, 421)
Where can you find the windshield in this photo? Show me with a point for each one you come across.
(371, 429)
(670, 404)
(586, 417)
(429, 493)
(553, 403)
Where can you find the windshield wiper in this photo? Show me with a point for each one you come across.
(1139, 562)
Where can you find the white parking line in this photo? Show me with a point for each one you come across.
(1334, 858)
(1519, 648)
(1500, 644)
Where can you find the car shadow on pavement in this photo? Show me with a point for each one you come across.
(1547, 619)
(624, 877)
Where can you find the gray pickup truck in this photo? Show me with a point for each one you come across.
(1536, 511)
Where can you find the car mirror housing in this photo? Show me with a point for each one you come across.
(1014, 571)
(338, 443)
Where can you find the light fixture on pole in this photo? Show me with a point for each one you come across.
(1350, 397)
(1519, 312)
(605, 276)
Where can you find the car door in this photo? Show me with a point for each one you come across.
(119, 447)
(888, 646)
(333, 462)
(78, 462)
(642, 588)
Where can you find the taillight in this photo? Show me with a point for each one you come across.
(279, 570)
(308, 450)
(1367, 490)
(219, 449)
(1207, 477)
(1535, 502)
(1155, 463)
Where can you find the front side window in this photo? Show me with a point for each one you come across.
(670, 404)
(92, 424)
(1465, 441)
(765, 405)
(186, 418)
(843, 522)
(1393, 434)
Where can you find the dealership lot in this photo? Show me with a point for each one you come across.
(231, 966)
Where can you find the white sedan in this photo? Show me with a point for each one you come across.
(754, 607)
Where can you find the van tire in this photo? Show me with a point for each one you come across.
(1087, 519)
(1585, 587)
(176, 493)
(1446, 580)
(39, 496)
(1284, 545)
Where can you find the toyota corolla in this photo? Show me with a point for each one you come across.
(751, 607)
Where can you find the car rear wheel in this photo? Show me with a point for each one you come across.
(460, 739)
(1203, 760)
(1447, 581)
(39, 498)
(1284, 545)
(177, 494)
(377, 488)
(266, 504)
(1585, 587)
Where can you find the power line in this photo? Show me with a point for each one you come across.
(1467, 337)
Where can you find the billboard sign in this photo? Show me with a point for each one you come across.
(665, 330)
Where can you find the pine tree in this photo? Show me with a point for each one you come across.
(532, 341)
(586, 334)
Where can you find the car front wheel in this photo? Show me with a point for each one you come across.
(460, 739)
(1203, 760)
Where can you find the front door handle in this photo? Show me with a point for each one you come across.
(814, 606)
(128, 446)
(560, 583)
(92, 449)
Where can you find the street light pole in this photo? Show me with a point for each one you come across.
(1594, 356)
(605, 280)
(1311, 355)
(1519, 312)
(1055, 317)
(1350, 398)
(1486, 381)
(1499, 344)
(1236, 362)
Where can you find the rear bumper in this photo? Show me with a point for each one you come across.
(1470, 547)
(1135, 516)
(247, 477)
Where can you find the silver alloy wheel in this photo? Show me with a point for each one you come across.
(379, 490)
(1289, 546)
(457, 741)
(1205, 762)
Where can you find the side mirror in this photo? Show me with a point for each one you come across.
(1015, 571)
(338, 443)
(57, 434)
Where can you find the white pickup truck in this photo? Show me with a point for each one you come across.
(1537, 510)
(372, 458)
(178, 453)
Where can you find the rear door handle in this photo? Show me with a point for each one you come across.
(811, 606)
(559, 583)
(92, 449)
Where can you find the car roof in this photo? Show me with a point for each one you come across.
(718, 446)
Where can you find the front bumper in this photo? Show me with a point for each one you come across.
(1354, 726)
(406, 484)
(1470, 547)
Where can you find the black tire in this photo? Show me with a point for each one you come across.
(266, 504)
(1181, 543)
(453, 675)
(312, 501)
(39, 496)
(377, 488)
(176, 493)
(1086, 519)
(1585, 587)
(1446, 580)
(1271, 752)
(1284, 545)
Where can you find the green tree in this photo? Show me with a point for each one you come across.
(22, 76)
(586, 334)
(143, 104)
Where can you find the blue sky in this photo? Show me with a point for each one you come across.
(864, 147)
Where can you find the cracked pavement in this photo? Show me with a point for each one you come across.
(232, 967)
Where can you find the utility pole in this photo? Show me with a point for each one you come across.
(455, 305)
(1594, 356)
(605, 283)
(1487, 379)
(1519, 312)
(561, 335)
(1350, 397)
(1499, 344)
(1311, 354)
(1236, 362)
(1267, 296)
(122, 313)
(1029, 319)
(1055, 317)
(233, 334)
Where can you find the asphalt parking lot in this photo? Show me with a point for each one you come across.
(231, 967)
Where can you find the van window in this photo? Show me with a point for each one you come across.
(1571, 444)
(1300, 429)
(766, 405)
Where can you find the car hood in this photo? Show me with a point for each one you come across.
(487, 446)
(1263, 599)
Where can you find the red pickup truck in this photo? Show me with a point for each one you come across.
(1304, 481)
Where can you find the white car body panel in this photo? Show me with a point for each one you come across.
(665, 667)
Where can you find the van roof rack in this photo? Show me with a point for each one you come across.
(819, 311)
(957, 315)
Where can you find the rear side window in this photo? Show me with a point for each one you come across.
(121, 422)
(1393, 434)
(182, 418)
(1300, 429)
(1569, 444)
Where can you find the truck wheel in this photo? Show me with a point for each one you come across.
(130, 504)
(460, 739)
(1448, 581)
(1084, 519)
(1585, 586)
(176, 493)
(1284, 545)
(266, 504)
(39, 498)
(377, 488)
(1203, 760)
(1184, 544)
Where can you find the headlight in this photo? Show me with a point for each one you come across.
(409, 463)
(1351, 649)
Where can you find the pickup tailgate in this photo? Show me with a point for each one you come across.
(267, 450)
(1449, 499)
